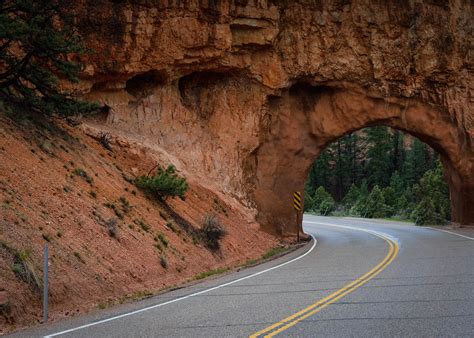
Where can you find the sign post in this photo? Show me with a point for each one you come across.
(297, 206)
(45, 284)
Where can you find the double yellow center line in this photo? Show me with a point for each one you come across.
(292, 320)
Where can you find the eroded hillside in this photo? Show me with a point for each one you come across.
(108, 241)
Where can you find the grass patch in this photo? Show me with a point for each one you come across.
(274, 251)
(212, 272)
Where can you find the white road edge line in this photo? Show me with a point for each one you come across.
(372, 232)
(184, 297)
(355, 219)
(452, 233)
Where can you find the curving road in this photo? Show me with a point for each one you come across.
(362, 278)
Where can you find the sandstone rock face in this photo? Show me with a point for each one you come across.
(245, 94)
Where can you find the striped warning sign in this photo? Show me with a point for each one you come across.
(297, 200)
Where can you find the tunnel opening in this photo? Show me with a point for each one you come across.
(304, 121)
(379, 172)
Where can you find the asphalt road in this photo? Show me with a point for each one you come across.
(361, 279)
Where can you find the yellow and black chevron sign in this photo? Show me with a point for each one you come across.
(297, 200)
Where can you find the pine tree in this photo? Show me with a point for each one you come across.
(378, 156)
(37, 46)
(352, 196)
(425, 212)
(323, 201)
(375, 206)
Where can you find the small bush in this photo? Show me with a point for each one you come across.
(79, 257)
(126, 207)
(112, 227)
(212, 231)
(104, 140)
(145, 227)
(82, 173)
(165, 183)
(163, 262)
(161, 238)
(24, 269)
(116, 209)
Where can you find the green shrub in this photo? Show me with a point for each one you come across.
(425, 212)
(323, 203)
(351, 197)
(375, 206)
(82, 173)
(165, 183)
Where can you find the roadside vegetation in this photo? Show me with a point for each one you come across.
(379, 172)
(163, 183)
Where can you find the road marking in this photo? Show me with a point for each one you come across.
(184, 297)
(452, 233)
(365, 221)
(292, 320)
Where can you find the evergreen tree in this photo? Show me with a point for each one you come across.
(417, 162)
(425, 212)
(37, 46)
(352, 196)
(390, 199)
(375, 206)
(402, 180)
(323, 201)
(378, 156)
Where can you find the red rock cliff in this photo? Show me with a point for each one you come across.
(246, 93)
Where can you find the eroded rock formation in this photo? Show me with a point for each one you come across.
(244, 94)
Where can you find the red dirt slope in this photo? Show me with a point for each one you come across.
(61, 186)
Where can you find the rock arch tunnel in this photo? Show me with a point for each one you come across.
(243, 95)
(312, 117)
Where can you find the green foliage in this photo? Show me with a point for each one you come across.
(162, 239)
(375, 206)
(424, 212)
(377, 173)
(37, 47)
(25, 270)
(82, 173)
(352, 196)
(378, 155)
(212, 272)
(432, 191)
(165, 183)
(321, 202)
